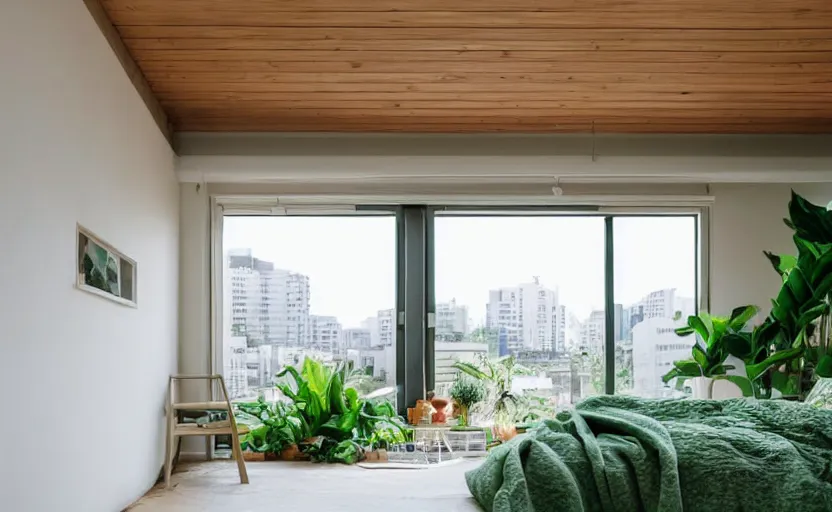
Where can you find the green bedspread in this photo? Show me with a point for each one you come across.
(616, 453)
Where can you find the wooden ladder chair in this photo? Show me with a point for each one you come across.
(224, 427)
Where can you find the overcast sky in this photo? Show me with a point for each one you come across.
(350, 261)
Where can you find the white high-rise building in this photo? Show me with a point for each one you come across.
(234, 365)
(658, 304)
(568, 331)
(371, 324)
(326, 334)
(655, 347)
(378, 361)
(451, 321)
(592, 332)
(528, 313)
(387, 327)
(266, 305)
(286, 300)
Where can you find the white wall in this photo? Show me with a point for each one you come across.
(746, 220)
(83, 378)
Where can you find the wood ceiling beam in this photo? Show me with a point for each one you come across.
(134, 73)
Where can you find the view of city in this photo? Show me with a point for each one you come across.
(555, 327)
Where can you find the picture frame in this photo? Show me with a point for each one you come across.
(103, 270)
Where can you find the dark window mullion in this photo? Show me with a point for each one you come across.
(412, 264)
(609, 307)
(430, 302)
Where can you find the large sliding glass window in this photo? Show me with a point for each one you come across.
(587, 300)
(298, 287)
(526, 285)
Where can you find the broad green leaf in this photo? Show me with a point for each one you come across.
(708, 324)
(779, 313)
(286, 390)
(824, 366)
(799, 287)
(783, 264)
(823, 266)
(699, 356)
(811, 222)
(684, 331)
(738, 345)
(754, 371)
(336, 395)
(294, 373)
(686, 368)
(805, 248)
(352, 398)
(672, 374)
(471, 370)
(823, 288)
(741, 316)
(698, 325)
(812, 314)
(317, 378)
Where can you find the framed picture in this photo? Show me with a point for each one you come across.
(103, 270)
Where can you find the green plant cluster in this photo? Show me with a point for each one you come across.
(327, 422)
(711, 349)
(797, 352)
(467, 391)
(791, 348)
(504, 406)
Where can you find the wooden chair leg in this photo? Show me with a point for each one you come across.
(235, 437)
(169, 445)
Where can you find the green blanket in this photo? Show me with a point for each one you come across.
(616, 453)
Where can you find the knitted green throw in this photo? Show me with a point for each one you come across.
(617, 454)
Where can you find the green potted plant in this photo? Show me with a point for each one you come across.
(323, 420)
(790, 350)
(498, 375)
(709, 352)
(467, 392)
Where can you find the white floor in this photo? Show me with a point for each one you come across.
(303, 487)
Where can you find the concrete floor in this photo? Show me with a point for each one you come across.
(303, 486)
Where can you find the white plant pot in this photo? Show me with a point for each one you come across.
(701, 387)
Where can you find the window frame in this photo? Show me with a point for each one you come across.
(418, 337)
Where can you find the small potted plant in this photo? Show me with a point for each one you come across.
(497, 376)
(466, 392)
(710, 351)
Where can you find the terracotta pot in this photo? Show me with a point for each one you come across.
(253, 456)
(423, 413)
(292, 453)
(439, 404)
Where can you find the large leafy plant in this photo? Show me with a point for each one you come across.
(791, 347)
(273, 426)
(497, 374)
(710, 350)
(327, 421)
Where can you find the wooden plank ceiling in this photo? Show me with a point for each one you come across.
(630, 66)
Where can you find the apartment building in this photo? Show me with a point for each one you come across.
(268, 306)
(325, 334)
(451, 321)
(527, 314)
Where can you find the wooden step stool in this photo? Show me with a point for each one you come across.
(225, 427)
